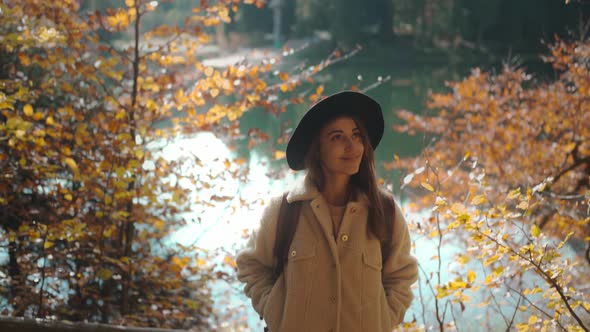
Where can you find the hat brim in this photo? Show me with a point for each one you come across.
(356, 104)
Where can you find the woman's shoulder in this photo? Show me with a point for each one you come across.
(386, 195)
(389, 199)
(273, 202)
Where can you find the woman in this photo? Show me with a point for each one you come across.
(349, 267)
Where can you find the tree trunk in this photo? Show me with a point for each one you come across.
(386, 19)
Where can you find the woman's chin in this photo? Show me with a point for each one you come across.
(350, 170)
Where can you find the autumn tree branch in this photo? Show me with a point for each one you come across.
(539, 269)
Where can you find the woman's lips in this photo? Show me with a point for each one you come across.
(351, 158)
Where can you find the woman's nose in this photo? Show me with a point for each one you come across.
(348, 142)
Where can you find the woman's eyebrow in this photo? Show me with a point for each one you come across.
(340, 131)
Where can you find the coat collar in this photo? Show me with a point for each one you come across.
(305, 190)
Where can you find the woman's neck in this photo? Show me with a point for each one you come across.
(336, 189)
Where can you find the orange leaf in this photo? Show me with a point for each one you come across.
(319, 90)
(240, 161)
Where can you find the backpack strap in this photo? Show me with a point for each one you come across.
(389, 214)
(286, 227)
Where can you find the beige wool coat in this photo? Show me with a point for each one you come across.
(328, 285)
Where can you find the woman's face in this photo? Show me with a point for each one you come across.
(341, 147)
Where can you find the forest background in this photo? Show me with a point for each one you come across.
(139, 141)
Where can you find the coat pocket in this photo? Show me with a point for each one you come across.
(300, 266)
(371, 274)
(273, 309)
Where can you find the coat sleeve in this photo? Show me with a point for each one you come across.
(256, 262)
(400, 270)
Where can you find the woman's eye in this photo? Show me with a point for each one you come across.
(336, 137)
(357, 135)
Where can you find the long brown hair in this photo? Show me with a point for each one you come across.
(365, 179)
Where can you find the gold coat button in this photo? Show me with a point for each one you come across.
(293, 253)
(353, 210)
(344, 237)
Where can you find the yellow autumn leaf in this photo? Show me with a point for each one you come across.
(72, 164)
(319, 90)
(562, 243)
(442, 292)
(499, 270)
(471, 276)
(47, 244)
(180, 262)
(160, 225)
(457, 284)
(105, 274)
(283, 76)
(536, 290)
(463, 259)
(532, 320)
(28, 109)
(49, 121)
(523, 205)
(139, 154)
(108, 232)
(535, 231)
(201, 262)
(458, 209)
(120, 172)
(68, 197)
(5, 104)
(514, 194)
(479, 199)
(427, 186)
(192, 304)
(522, 327)
(570, 147)
(279, 154)
(491, 260)
(24, 59)
(254, 72)
(229, 261)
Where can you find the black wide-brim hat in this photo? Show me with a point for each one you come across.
(356, 104)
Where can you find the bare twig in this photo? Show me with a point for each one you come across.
(537, 307)
(509, 324)
(551, 281)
